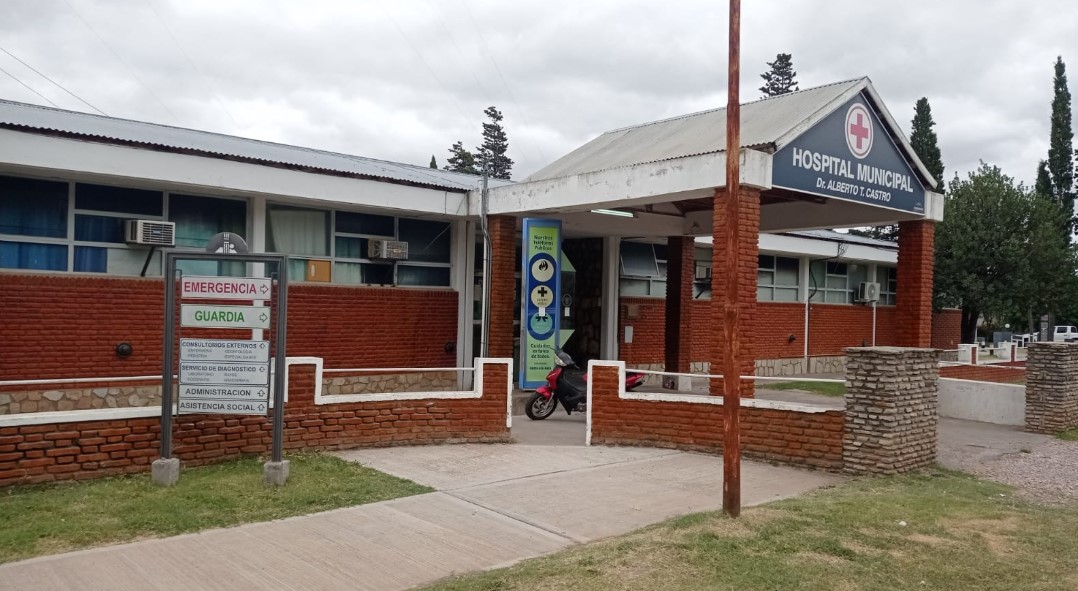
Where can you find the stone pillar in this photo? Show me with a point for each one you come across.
(504, 263)
(746, 266)
(892, 409)
(680, 271)
(916, 252)
(1051, 387)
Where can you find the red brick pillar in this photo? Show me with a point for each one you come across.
(915, 262)
(746, 266)
(504, 263)
(680, 270)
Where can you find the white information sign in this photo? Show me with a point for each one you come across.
(224, 374)
(231, 407)
(225, 288)
(202, 316)
(207, 392)
(224, 350)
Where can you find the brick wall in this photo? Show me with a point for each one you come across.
(946, 329)
(504, 264)
(985, 373)
(727, 260)
(789, 437)
(833, 329)
(892, 409)
(1052, 387)
(68, 326)
(916, 259)
(90, 449)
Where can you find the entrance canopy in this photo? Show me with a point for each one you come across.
(825, 157)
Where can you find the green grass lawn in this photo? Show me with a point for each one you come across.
(959, 534)
(824, 388)
(46, 519)
(1069, 435)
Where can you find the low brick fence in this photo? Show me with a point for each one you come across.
(888, 425)
(773, 431)
(1000, 374)
(40, 447)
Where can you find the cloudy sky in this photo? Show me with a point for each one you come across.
(403, 80)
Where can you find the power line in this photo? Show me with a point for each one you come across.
(121, 60)
(55, 83)
(28, 88)
(190, 62)
(497, 69)
(427, 66)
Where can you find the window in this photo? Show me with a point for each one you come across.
(701, 284)
(887, 277)
(100, 214)
(197, 220)
(643, 269)
(777, 279)
(297, 231)
(64, 226)
(829, 282)
(33, 224)
(345, 238)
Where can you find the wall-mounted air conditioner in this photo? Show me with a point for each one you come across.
(387, 250)
(868, 292)
(151, 233)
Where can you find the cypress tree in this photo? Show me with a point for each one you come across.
(433, 162)
(1061, 146)
(924, 141)
(1043, 186)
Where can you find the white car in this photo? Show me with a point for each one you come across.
(1065, 334)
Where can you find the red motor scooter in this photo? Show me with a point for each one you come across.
(567, 383)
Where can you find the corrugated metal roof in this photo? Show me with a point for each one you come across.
(763, 123)
(114, 130)
(843, 237)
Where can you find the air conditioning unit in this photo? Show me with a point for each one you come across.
(387, 250)
(151, 233)
(868, 292)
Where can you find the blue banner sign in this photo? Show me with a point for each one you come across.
(850, 155)
(540, 298)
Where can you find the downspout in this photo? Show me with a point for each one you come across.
(839, 251)
(484, 344)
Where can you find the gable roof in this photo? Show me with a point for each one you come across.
(767, 124)
(112, 130)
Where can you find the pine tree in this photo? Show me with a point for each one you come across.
(433, 162)
(924, 141)
(1061, 147)
(461, 160)
(781, 78)
(495, 144)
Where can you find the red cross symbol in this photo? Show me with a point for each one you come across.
(858, 130)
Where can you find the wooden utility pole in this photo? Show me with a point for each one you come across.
(731, 401)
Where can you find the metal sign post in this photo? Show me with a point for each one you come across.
(223, 376)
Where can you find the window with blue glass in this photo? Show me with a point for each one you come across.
(33, 224)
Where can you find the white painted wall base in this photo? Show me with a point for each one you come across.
(986, 402)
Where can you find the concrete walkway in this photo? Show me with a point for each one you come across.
(496, 505)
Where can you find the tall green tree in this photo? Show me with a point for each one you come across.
(461, 160)
(492, 153)
(780, 77)
(924, 141)
(1043, 185)
(433, 162)
(983, 248)
(1061, 144)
